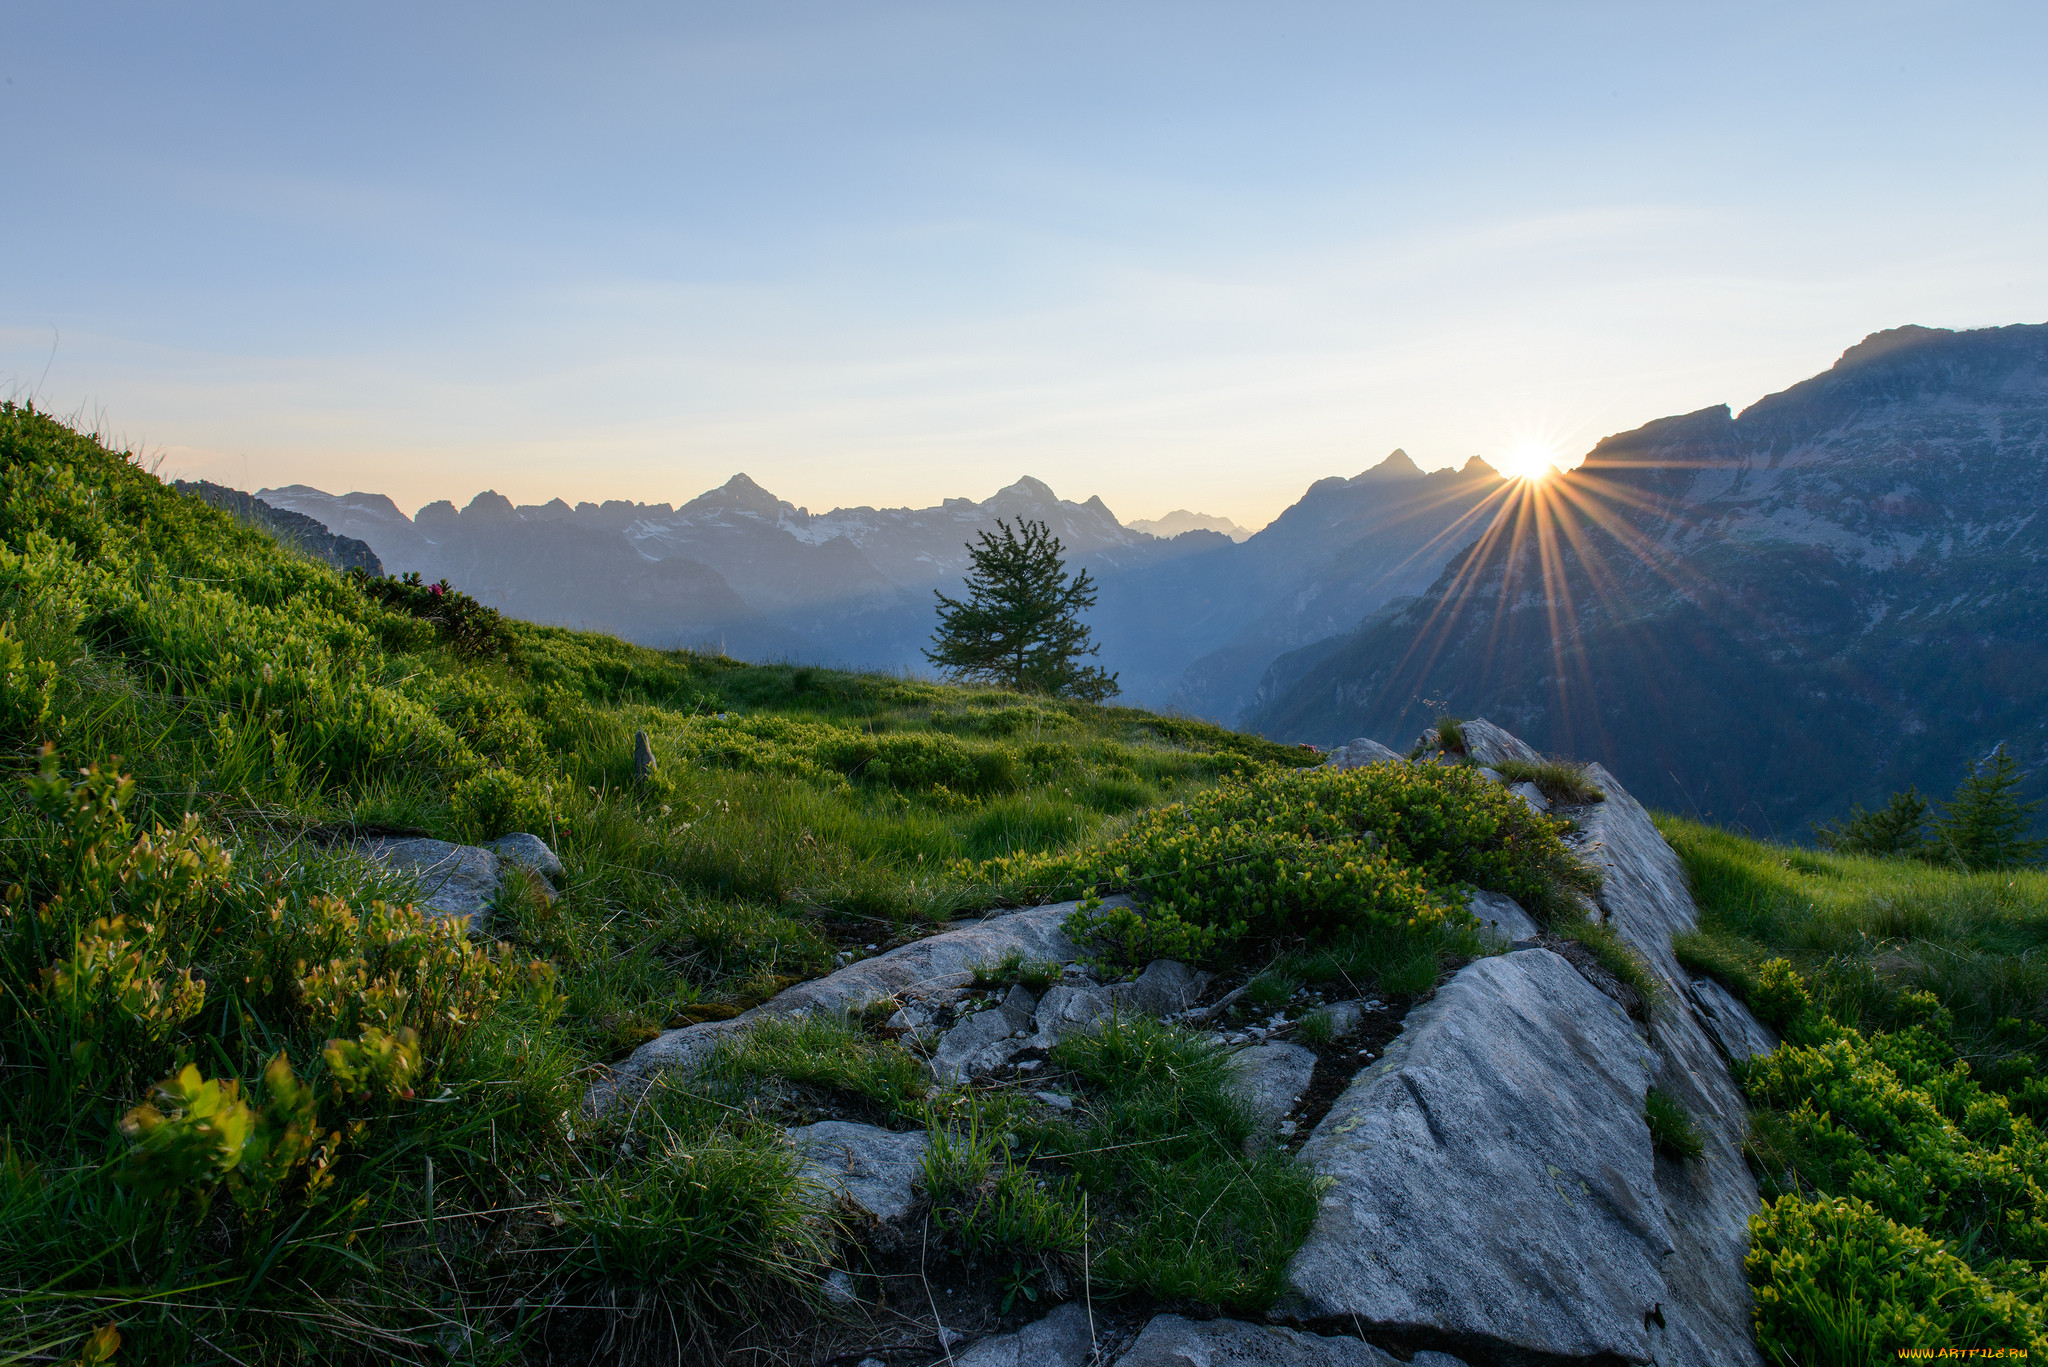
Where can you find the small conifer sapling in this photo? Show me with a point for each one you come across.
(1020, 626)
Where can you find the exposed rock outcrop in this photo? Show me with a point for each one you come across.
(1061, 1339)
(1494, 1181)
(1495, 1191)
(1173, 1341)
(925, 968)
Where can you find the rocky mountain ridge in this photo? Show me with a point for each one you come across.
(1190, 619)
(1836, 593)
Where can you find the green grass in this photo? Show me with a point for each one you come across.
(1159, 1175)
(391, 1185)
(1896, 1132)
(1555, 779)
(1864, 931)
(1671, 1126)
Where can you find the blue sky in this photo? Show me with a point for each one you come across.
(1177, 255)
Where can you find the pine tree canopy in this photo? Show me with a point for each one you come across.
(1984, 826)
(1020, 625)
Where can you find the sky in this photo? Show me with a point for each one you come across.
(1177, 255)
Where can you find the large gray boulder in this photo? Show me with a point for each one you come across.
(1173, 1341)
(1646, 898)
(1647, 1264)
(938, 964)
(875, 1169)
(531, 853)
(1493, 1180)
(1485, 744)
(462, 881)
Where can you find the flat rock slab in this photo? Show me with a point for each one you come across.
(1174, 1341)
(458, 881)
(1493, 1181)
(1273, 1076)
(1503, 916)
(875, 1169)
(1061, 1339)
(942, 962)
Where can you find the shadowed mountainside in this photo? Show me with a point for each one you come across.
(1839, 592)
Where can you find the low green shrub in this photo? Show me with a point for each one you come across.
(1309, 854)
(1912, 1199)
(471, 629)
(1838, 1284)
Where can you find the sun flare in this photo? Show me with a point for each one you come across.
(1531, 460)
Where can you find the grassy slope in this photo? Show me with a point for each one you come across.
(820, 811)
(1897, 1132)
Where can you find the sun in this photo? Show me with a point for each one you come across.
(1531, 460)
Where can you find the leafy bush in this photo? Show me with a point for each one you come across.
(471, 629)
(1310, 853)
(1838, 1283)
(1913, 1206)
(495, 802)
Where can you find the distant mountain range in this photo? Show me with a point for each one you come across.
(1190, 620)
(1181, 520)
(1841, 591)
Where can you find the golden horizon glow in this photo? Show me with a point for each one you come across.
(1531, 460)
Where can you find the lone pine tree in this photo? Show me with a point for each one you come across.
(1021, 624)
(1984, 826)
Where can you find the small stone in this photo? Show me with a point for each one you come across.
(1287, 1128)
(1031, 1065)
(643, 757)
(1172, 1341)
(839, 1288)
(1056, 1100)
(1061, 1339)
